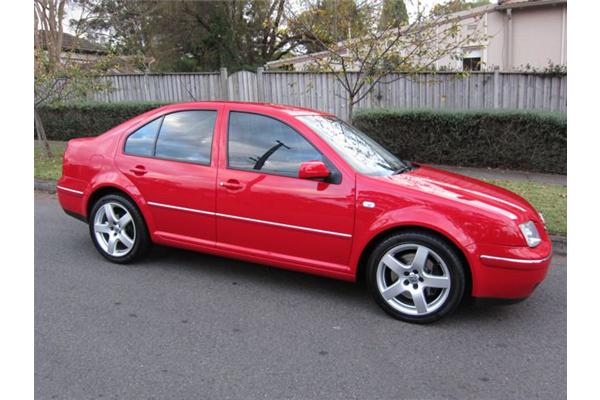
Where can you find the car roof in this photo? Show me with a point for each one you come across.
(291, 110)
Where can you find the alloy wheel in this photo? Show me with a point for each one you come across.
(114, 229)
(413, 279)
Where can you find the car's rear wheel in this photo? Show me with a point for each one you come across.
(118, 230)
(416, 277)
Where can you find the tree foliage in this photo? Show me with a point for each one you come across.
(125, 26)
(393, 12)
(326, 22)
(193, 35)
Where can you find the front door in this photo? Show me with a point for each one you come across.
(265, 210)
(169, 161)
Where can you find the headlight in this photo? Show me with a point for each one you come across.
(531, 233)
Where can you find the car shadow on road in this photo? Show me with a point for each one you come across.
(261, 277)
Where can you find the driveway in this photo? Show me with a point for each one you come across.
(182, 325)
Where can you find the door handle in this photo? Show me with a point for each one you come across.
(139, 170)
(231, 184)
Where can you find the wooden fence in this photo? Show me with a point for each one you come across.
(478, 90)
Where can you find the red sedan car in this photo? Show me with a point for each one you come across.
(303, 190)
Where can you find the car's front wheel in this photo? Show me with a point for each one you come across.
(118, 230)
(416, 277)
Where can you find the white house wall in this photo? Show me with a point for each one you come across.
(537, 36)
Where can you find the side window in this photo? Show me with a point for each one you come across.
(260, 143)
(141, 142)
(187, 136)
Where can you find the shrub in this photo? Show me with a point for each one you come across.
(525, 140)
(68, 121)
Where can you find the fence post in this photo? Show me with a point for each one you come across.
(146, 88)
(260, 94)
(496, 87)
(224, 86)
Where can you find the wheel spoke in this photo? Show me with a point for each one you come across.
(112, 244)
(124, 220)
(110, 214)
(441, 282)
(394, 264)
(420, 258)
(101, 228)
(420, 302)
(123, 238)
(424, 293)
(394, 290)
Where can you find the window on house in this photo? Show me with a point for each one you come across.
(472, 64)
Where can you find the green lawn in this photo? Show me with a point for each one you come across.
(48, 168)
(551, 200)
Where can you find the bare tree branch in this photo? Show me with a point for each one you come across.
(361, 63)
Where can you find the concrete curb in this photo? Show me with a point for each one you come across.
(44, 186)
(559, 243)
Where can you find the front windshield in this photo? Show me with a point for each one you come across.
(363, 153)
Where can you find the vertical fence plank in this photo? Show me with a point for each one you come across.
(563, 94)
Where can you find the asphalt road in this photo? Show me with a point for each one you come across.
(182, 325)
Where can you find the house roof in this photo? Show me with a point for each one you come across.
(506, 4)
(78, 44)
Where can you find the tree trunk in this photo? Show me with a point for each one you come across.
(41, 133)
(350, 109)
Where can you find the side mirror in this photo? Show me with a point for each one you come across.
(313, 170)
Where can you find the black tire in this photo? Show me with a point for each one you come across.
(445, 304)
(141, 241)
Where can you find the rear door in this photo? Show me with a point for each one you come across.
(264, 209)
(170, 161)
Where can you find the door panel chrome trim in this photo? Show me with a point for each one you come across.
(259, 221)
(301, 228)
(516, 260)
(151, 203)
(69, 190)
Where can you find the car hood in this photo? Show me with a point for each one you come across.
(467, 191)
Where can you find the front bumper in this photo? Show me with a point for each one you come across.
(502, 272)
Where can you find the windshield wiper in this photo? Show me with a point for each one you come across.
(397, 171)
(408, 166)
(402, 170)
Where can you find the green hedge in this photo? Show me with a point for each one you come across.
(526, 140)
(70, 121)
(522, 140)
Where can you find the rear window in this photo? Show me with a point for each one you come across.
(141, 142)
(181, 136)
(187, 136)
